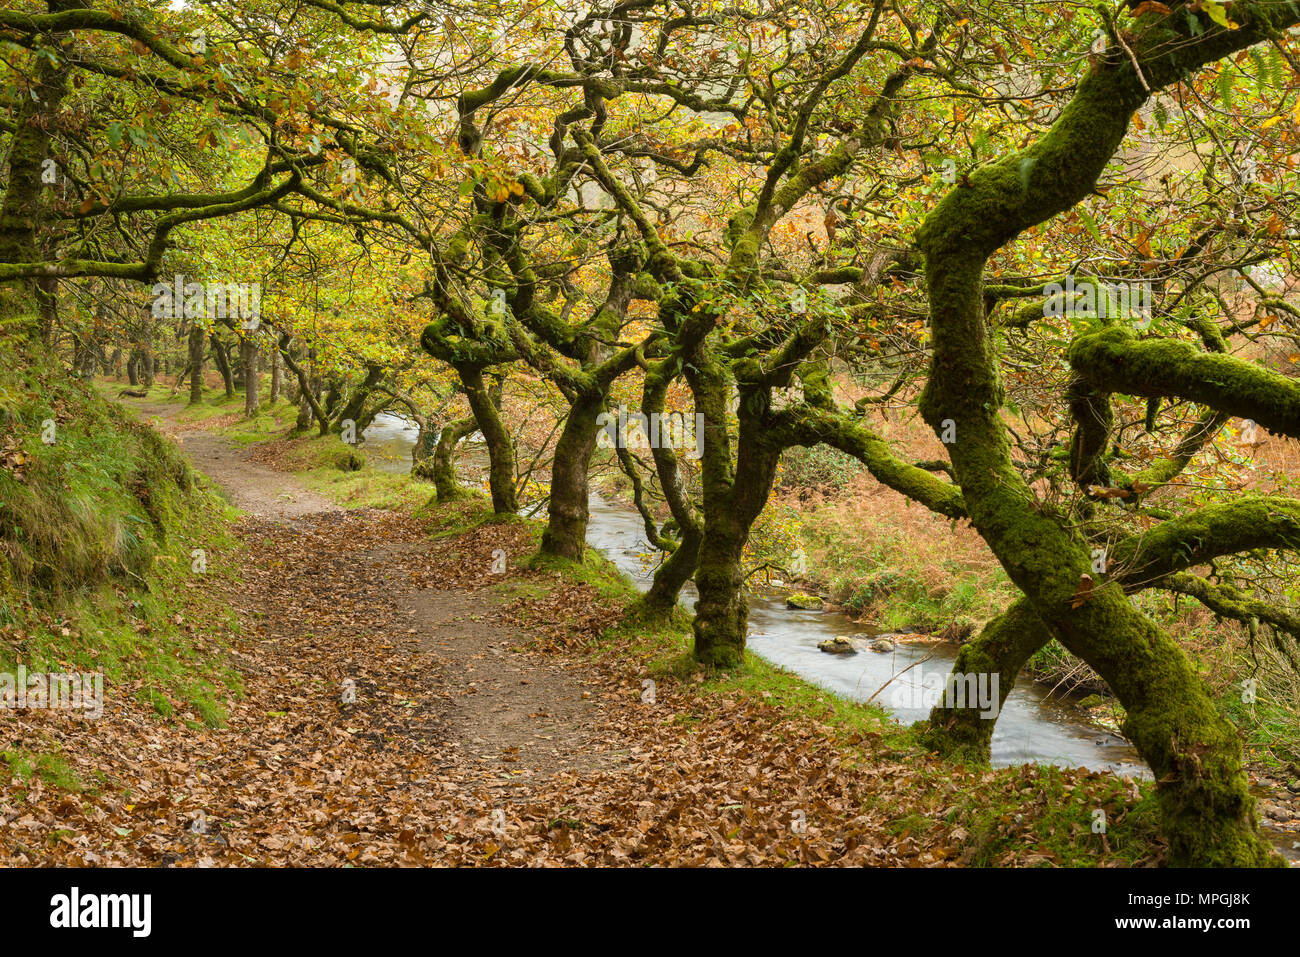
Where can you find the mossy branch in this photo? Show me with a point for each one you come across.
(1116, 361)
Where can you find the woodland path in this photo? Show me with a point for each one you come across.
(506, 711)
(490, 725)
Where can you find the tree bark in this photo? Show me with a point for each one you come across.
(223, 365)
(47, 300)
(275, 376)
(486, 407)
(566, 527)
(147, 354)
(196, 341)
(248, 348)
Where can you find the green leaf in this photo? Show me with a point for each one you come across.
(1226, 80)
(1161, 114)
(1214, 10)
(1090, 224)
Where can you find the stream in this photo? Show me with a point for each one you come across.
(1034, 726)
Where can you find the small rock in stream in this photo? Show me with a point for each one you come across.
(838, 645)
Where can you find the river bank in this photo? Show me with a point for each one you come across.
(888, 801)
(1035, 725)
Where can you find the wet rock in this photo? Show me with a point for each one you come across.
(803, 602)
(883, 645)
(839, 645)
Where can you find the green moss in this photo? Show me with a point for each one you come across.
(103, 527)
(1205, 808)
(1062, 815)
(21, 765)
(1114, 359)
(594, 569)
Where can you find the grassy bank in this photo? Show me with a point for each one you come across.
(902, 568)
(106, 538)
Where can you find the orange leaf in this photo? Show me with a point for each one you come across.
(1150, 6)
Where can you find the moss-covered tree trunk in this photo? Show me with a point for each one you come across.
(277, 383)
(734, 494)
(673, 573)
(680, 565)
(566, 527)
(47, 302)
(196, 363)
(1207, 811)
(722, 611)
(35, 122)
(248, 349)
(147, 355)
(354, 409)
(426, 441)
(444, 458)
(1002, 648)
(84, 360)
(223, 365)
(500, 446)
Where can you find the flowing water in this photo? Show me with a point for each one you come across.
(1033, 726)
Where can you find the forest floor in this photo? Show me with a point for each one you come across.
(408, 700)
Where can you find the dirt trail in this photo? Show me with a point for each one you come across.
(255, 489)
(512, 713)
(404, 702)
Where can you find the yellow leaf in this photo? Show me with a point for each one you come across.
(1214, 10)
